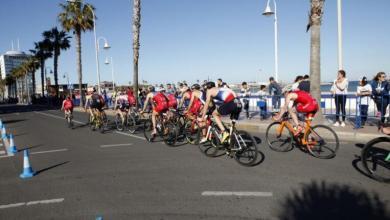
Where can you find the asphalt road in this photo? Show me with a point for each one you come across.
(84, 175)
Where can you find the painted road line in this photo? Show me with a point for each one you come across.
(49, 151)
(5, 156)
(45, 201)
(49, 201)
(58, 117)
(115, 145)
(228, 193)
(130, 135)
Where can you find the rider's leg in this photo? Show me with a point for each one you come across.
(293, 113)
(218, 120)
(154, 115)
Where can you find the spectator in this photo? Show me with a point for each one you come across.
(364, 92)
(297, 80)
(304, 85)
(276, 92)
(170, 89)
(245, 94)
(380, 92)
(262, 102)
(339, 90)
(221, 83)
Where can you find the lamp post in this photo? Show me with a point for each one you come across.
(66, 75)
(340, 35)
(47, 87)
(112, 71)
(268, 12)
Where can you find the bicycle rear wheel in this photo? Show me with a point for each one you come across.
(279, 139)
(170, 133)
(376, 158)
(247, 155)
(322, 142)
(118, 122)
(131, 123)
(148, 129)
(191, 132)
(212, 146)
(104, 123)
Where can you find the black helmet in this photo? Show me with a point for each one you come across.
(195, 87)
(151, 89)
(94, 89)
(210, 85)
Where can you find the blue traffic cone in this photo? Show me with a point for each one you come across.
(12, 147)
(27, 169)
(3, 133)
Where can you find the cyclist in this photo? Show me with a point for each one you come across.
(303, 103)
(122, 104)
(131, 97)
(67, 106)
(87, 106)
(226, 102)
(97, 103)
(159, 104)
(196, 101)
(185, 97)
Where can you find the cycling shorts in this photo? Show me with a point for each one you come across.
(311, 107)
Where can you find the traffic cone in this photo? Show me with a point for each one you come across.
(3, 133)
(27, 169)
(12, 147)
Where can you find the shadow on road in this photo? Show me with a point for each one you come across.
(322, 200)
(29, 148)
(51, 167)
(359, 145)
(355, 164)
(7, 109)
(13, 121)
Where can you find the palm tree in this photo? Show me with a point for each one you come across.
(77, 17)
(315, 17)
(42, 53)
(59, 40)
(136, 31)
(31, 65)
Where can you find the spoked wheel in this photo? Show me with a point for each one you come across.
(119, 122)
(191, 132)
(170, 133)
(148, 129)
(212, 146)
(70, 121)
(376, 158)
(279, 139)
(131, 123)
(104, 123)
(247, 155)
(92, 123)
(322, 142)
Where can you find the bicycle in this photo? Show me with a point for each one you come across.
(375, 158)
(129, 121)
(166, 129)
(309, 141)
(98, 121)
(241, 145)
(69, 118)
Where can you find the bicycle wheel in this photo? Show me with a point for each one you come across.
(279, 140)
(322, 142)
(148, 129)
(170, 133)
(247, 152)
(213, 144)
(70, 121)
(131, 123)
(191, 132)
(103, 123)
(376, 158)
(119, 122)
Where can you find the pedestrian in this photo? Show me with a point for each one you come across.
(245, 94)
(304, 85)
(262, 103)
(297, 81)
(276, 92)
(339, 90)
(380, 92)
(221, 84)
(364, 92)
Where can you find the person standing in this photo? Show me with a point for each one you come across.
(339, 90)
(262, 102)
(380, 92)
(276, 92)
(364, 91)
(245, 94)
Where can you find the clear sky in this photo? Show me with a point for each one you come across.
(196, 39)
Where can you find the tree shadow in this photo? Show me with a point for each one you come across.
(322, 200)
(31, 147)
(13, 121)
(257, 139)
(51, 167)
(260, 158)
(360, 145)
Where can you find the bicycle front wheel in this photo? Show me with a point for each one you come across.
(248, 152)
(191, 132)
(322, 142)
(104, 123)
(376, 158)
(119, 122)
(148, 129)
(279, 138)
(170, 133)
(131, 123)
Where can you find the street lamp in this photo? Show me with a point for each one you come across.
(268, 12)
(340, 35)
(47, 86)
(66, 75)
(112, 71)
(106, 47)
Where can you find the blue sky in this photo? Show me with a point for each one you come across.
(196, 39)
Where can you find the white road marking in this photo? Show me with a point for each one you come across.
(49, 151)
(32, 203)
(5, 156)
(227, 193)
(115, 145)
(130, 135)
(58, 117)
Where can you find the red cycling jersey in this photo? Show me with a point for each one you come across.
(160, 102)
(68, 104)
(196, 105)
(172, 102)
(305, 102)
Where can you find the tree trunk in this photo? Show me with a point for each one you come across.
(33, 80)
(79, 67)
(136, 44)
(56, 70)
(43, 76)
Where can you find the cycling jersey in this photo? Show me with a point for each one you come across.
(97, 101)
(68, 104)
(172, 102)
(130, 98)
(122, 102)
(305, 102)
(160, 102)
(224, 95)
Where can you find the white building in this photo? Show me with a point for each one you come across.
(9, 61)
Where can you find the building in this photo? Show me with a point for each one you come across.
(9, 61)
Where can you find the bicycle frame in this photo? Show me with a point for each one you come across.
(307, 128)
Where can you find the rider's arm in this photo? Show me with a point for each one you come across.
(206, 105)
(62, 107)
(86, 103)
(182, 99)
(191, 101)
(146, 102)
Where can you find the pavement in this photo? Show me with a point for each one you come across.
(82, 174)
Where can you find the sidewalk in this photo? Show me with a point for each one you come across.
(255, 125)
